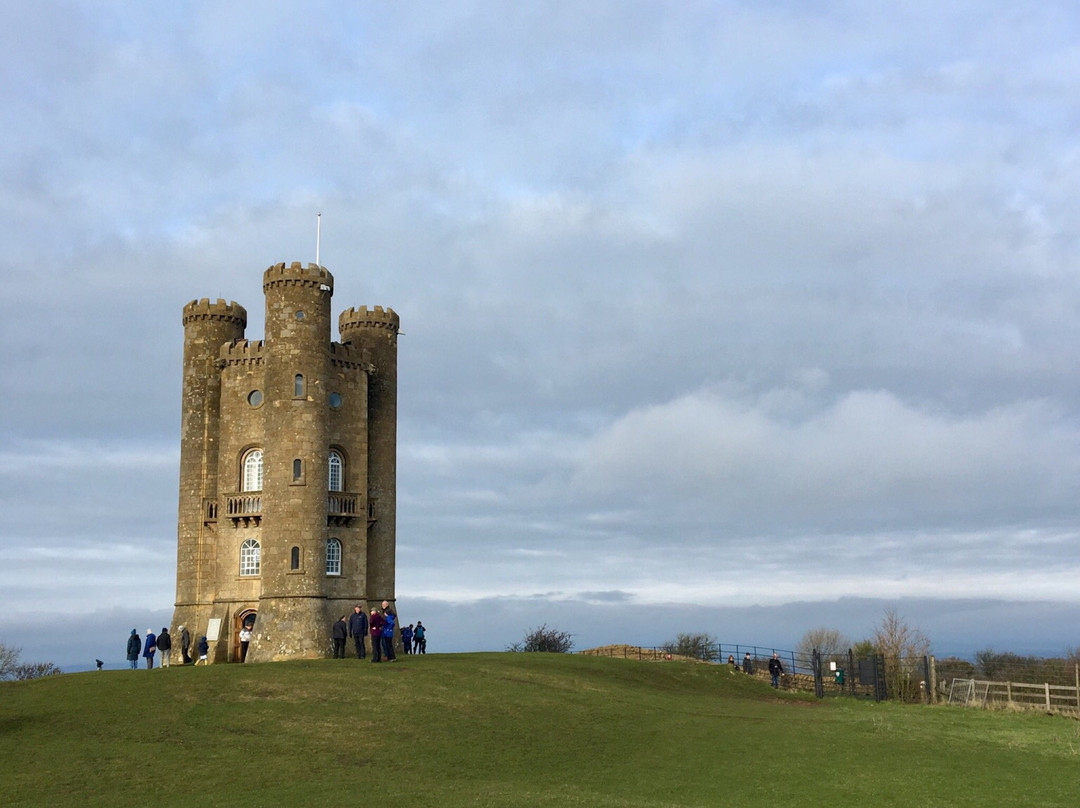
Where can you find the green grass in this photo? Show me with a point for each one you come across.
(506, 730)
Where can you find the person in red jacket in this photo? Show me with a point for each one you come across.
(375, 623)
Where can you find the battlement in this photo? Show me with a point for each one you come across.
(242, 350)
(363, 317)
(220, 311)
(351, 357)
(298, 274)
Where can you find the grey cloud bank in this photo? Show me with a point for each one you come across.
(708, 309)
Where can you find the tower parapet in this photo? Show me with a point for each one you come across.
(242, 350)
(298, 274)
(222, 312)
(363, 317)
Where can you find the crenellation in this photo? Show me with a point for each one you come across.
(203, 309)
(312, 276)
(363, 317)
(242, 350)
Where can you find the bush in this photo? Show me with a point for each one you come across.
(695, 646)
(549, 640)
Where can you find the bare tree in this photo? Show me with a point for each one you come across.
(11, 668)
(903, 647)
(9, 660)
(833, 645)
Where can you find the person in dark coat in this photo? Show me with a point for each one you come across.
(164, 644)
(775, 669)
(358, 629)
(339, 632)
(419, 636)
(748, 664)
(406, 638)
(185, 645)
(375, 624)
(204, 651)
(149, 648)
(133, 647)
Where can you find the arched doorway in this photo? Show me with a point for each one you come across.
(245, 619)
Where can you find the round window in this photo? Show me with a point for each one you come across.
(299, 315)
(335, 400)
(255, 398)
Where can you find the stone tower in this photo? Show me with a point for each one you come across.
(287, 469)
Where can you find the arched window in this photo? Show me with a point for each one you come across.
(249, 557)
(333, 557)
(253, 471)
(298, 385)
(294, 560)
(297, 469)
(336, 467)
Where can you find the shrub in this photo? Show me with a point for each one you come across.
(545, 639)
(695, 646)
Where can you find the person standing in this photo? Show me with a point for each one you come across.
(748, 665)
(358, 629)
(339, 632)
(204, 651)
(185, 645)
(376, 626)
(164, 644)
(245, 641)
(406, 638)
(133, 647)
(775, 669)
(388, 634)
(421, 640)
(149, 649)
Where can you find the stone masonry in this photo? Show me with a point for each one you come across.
(287, 469)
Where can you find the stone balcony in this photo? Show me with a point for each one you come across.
(245, 509)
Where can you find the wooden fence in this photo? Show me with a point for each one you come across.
(982, 693)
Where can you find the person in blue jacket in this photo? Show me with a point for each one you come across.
(149, 649)
(133, 646)
(388, 634)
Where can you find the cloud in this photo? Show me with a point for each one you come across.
(865, 460)
(702, 304)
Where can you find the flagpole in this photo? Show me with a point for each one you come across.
(318, 237)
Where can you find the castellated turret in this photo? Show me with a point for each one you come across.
(287, 469)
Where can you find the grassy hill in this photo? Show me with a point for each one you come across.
(506, 730)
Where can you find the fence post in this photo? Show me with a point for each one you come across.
(1077, 669)
(933, 680)
(851, 672)
(1047, 684)
(1008, 692)
(926, 676)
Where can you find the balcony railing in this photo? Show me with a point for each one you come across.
(246, 508)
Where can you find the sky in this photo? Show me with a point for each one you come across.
(730, 317)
